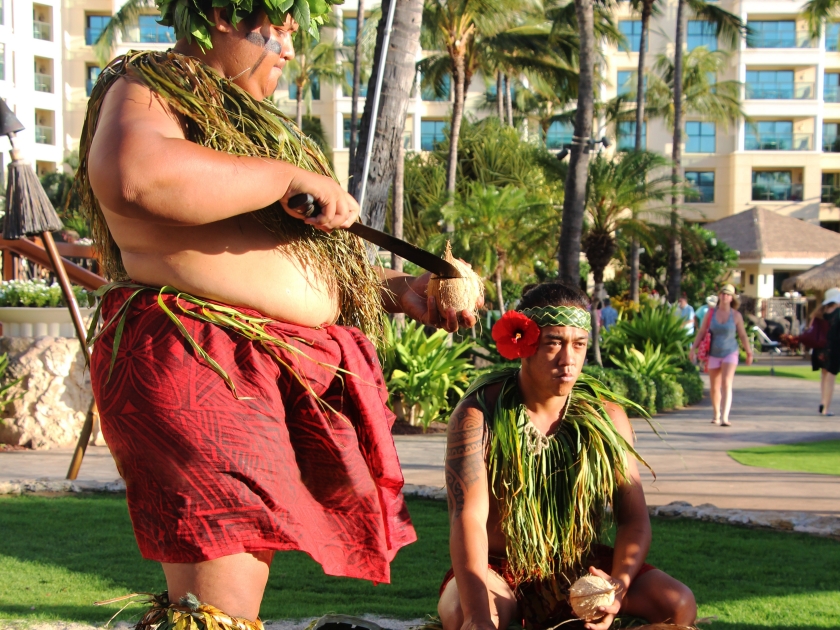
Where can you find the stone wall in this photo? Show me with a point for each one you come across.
(56, 390)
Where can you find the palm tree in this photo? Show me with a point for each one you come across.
(128, 15)
(357, 77)
(817, 12)
(729, 27)
(574, 202)
(393, 105)
(314, 62)
(496, 231)
(619, 197)
(455, 29)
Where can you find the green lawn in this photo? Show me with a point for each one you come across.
(789, 371)
(57, 555)
(813, 457)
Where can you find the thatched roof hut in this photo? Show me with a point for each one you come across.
(819, 278)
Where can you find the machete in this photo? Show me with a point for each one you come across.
(305, 204)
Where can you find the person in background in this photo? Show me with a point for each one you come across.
(828, 359)
(686, 312)
(711, 302)
(609, 316)
(727, 326)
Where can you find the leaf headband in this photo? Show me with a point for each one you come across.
(190, 18)
(517, 333)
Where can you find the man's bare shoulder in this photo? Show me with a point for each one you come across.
(620, 420)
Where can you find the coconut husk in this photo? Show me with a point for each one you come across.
(461, 294)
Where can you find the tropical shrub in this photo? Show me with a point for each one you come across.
(651, 363)
(692, 386)
(424, 375)
(636, 387)
(36, 293)
(669, 393)
(657, 325)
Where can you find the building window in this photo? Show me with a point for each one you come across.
(431, 134)
(831, 142)
(2, 61)
(94, 27)
(314, 89)
(346, 134)
(764, 84)
(701, 33)
(830, 188)
(42, 22)
(701, 137)
(775, 186)
(42, 167)
(559, 135)
(626, 134)
(777, 34)
(626, 82)
(153, 33)
(834, 226)
(775, 135)
(428, 92)
(43, 75)
(703, 183)
(832, 36)
(348, 77)
(92, 76)
(831, 87)
(44, 126)
(632, 31)
(348, 28)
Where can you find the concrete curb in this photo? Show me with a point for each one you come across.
(32, 486)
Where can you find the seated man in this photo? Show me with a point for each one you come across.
(535, 456)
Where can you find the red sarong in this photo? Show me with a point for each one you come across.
(209, 475)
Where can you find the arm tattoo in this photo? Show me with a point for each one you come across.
(464, 458)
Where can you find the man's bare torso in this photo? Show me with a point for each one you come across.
(234, 260)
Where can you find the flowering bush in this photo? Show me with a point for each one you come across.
(36, 293)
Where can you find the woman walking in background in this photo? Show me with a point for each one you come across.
(827, 358)
(726, 325)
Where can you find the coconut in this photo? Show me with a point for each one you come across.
(462, 293)
(588, 594)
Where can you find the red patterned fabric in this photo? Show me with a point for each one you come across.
(208, 475)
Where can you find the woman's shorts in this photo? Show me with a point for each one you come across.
(716, 362)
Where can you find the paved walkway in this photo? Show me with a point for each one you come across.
(691, 463)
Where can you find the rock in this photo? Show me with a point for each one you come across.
(57, 392)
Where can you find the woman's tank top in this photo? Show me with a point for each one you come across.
(724, 340)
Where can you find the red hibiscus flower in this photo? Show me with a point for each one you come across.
(516, 335)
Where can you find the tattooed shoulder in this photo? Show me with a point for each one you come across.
(465, 447)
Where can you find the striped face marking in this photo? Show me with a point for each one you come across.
(268, 46)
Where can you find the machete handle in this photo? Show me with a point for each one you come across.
(304, 204)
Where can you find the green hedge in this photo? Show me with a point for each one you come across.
(640, 389)
(692, 386)
(669, 393)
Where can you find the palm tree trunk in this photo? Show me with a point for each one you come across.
(398, 215)
(497, 276)
(299, 105)
(357, 76)
(509, 100)
(574, 200)
(675, 246)
(393, 104)
(596, 332)
(647, 8)
(500, 104)
(455, 130)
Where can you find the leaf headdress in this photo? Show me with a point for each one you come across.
(191, 21)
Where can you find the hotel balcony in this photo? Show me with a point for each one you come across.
(799, 90)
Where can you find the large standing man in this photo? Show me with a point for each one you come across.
(242, 417)
(535, 456)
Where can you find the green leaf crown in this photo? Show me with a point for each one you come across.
(191, 18)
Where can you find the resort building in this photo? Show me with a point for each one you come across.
(784, 159)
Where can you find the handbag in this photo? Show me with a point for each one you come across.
(816, 335)
(706, 344)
